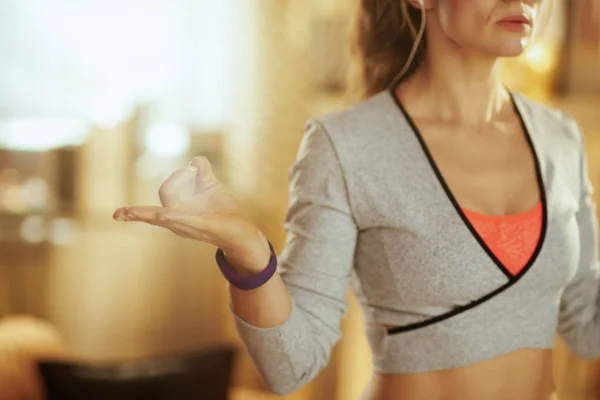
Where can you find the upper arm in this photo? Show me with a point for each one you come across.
(318, 256)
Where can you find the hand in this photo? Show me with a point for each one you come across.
(196, 205)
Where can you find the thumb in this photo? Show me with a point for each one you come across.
(205, 177)
(179, 184)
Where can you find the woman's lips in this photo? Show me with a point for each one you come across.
(516, 23)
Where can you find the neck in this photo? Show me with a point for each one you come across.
(458, 87)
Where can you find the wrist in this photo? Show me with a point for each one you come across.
(250, 257)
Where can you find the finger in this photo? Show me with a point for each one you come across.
(164, 216)
(120, 214)
(180, 180)
(205, 177)
(150, 214)
(182, 223)
(125, 214)
(154, 216)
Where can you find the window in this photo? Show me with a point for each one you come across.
(94, 62)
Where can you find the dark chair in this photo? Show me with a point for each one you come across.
(205, 375)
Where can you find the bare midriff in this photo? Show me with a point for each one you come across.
(520, 375)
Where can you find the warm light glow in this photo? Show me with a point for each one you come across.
(12, 199)
(99, 60)
(33, 229)
(150, 167)
(538, 58)
(35, 193)
(41, 134)
(167, 140)
(63, 231)
(108, 112)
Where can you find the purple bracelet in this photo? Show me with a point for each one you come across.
(247, 282)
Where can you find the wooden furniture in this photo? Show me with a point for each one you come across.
(203, 375)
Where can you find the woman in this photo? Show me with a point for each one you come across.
(459, 211)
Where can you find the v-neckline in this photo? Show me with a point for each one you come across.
(458, 208)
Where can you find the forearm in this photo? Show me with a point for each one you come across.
(268, 305)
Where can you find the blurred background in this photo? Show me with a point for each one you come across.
(100, 100)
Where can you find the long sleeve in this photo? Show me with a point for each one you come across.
(579, 317)
(315, 266)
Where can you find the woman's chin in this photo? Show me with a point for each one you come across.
(515, 48)
(512, 53)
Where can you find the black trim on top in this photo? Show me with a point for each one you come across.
(512, 279)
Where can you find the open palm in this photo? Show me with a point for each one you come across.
(195, 205)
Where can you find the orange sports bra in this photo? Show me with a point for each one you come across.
(513, 238)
